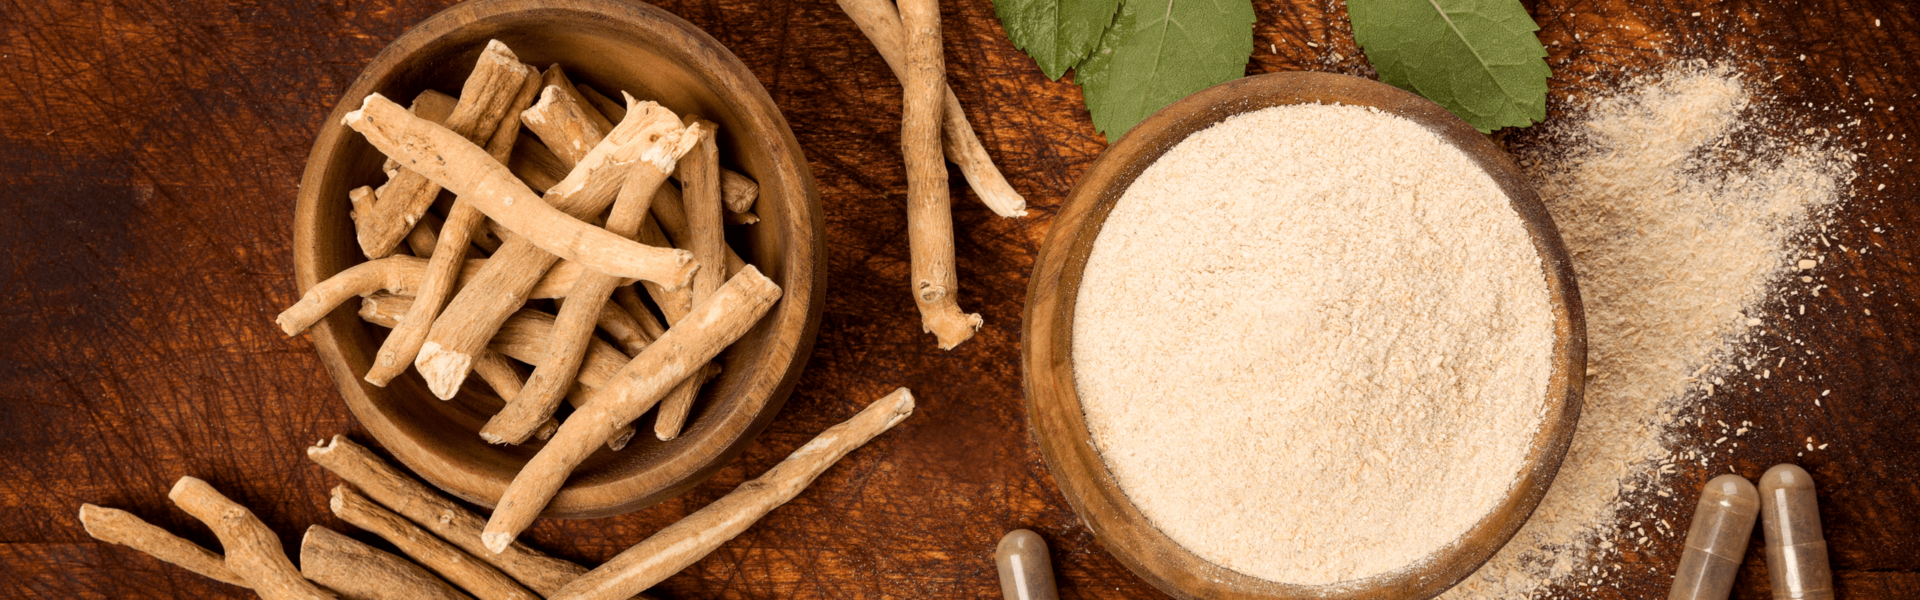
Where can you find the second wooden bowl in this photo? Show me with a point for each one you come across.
(613, 45)
(1053, 405)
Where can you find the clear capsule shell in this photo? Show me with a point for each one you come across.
(1717, 539)
(1796, 550)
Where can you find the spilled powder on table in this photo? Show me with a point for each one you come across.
(1312, 343)
(1684, 209)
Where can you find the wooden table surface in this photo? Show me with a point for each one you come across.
(149, 152)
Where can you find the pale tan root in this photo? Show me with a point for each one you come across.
(739, 191)
(563, 120)
(742, 218)
(402, 275)
(425, 235)
(523, 337)
(696, 339)
(484, 100)
(500, 288)
(629, 300)
(574, 327)
(506, 379)
(670, 213)
(929, 212)
(357, 571)
(253, 551)
(442, 558)
(628, 332)
(673, 303)
(458, 165)
(881, 22)
(701, 202)
(115, 526)
(464, 221)
(427, 508)
(674, 408)
(692, 538)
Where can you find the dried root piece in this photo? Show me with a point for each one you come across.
(425, 234)
(929, 212)
(574, 327)
(458, 165)
(564, 120)
(476, 577)
(700, 173)
(687, 541)
(500, 288)
(739, 191)
(253, 551)
(882, 24)
(402, 275)
(506, 379)
(445, 518)
(360, 572)
(674, 408)
(629, 299)
(523, 337)
(484, 100)
(742, 218)
(115, 526)
(695, 340)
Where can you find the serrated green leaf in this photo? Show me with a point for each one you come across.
(1058, 34)
(1478, 58)
(1159, 51)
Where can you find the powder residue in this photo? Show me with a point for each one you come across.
(1681, 209)
(1312, 343)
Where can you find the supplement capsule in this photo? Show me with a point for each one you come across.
(1717, 539)
(1025, 571)
(1796, 552)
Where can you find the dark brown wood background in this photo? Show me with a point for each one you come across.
(149, 151)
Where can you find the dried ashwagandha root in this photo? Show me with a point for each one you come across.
(412, 499)
(484, 100)
(357, 571)
(500, 288)
(402, 275)
(458, 165)
(523, 337)
(464, 220)
(674, 408)
(115, 526)
(738, 191)
(564, 120)
(478, 578)
(574, 327)
(929, 210)
(883, 26)
(253, 551)
(687, 541)
(695, 340)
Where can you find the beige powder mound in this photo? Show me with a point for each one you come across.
(1681, 209)
(1312, 343)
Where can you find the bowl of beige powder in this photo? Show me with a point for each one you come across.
(1303, 335)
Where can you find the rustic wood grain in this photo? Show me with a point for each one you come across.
(151, 147)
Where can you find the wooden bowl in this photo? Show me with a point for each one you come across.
(611, 45)
(1053, 404)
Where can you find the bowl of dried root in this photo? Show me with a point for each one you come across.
(1303, 335)
(519, 207)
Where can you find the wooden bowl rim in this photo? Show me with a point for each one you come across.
(697, 454)
(1058, 424)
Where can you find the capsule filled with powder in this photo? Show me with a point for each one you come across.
(1796, 551)
(1025, 571)
(1722, 524)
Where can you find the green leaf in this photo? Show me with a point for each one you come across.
(1159, 51)
(1478, 58)
(1058, 34)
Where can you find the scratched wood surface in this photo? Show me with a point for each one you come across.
(149, 151)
